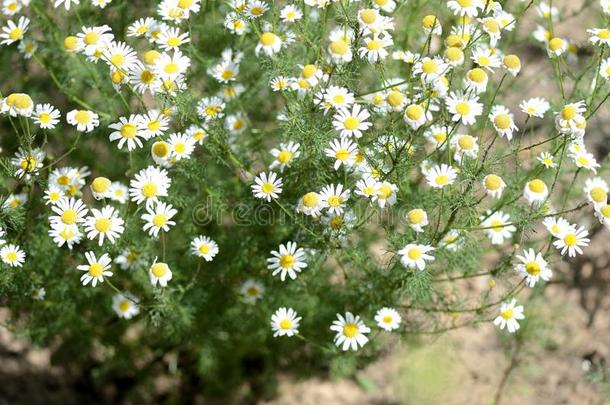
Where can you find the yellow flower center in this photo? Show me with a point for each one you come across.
(502, 121)
(387, 319)
(124, 306)
(429, 67)
(536, 186)
(350, 330)
(395, 98)
(174, 41)
(454, 54)
(19, 101)
(285, 324)
(414, 253)
(159, 269)
(428, 21)
(70, 43)
(308, 71)
(204, 249)
(150, 57)
(598, 194)
(149, 190)
(129, 130)
(416, 216)
(466, 142)
(491, 26)
(96, 270)
(268, 38)
(351, 123)
(385, 191)
(82, 117)
(103, 225)
(159, 220)
(100, 184)
(462, 108)
(507, 314)
(532, 268)
(160, 149)
(339, 47)
(556, 44)
(605, 211)
(477, 75)
(493, 182)
(441, 180)
(16, 34)
(28, 163)
(310, 200)
(570, 239)
(368, 16)
(604, 34)
(11, 256)
(267, 188)
(342, 154)
(287, 261)
(512, 61)
(171, 68)
(69, 216)
(334, 201)
(374, 45)
(91, 38)
(414, 112)
(284, 156)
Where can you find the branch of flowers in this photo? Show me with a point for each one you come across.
(68, 152)
(598, 106)
(529, 147)
(442, 330)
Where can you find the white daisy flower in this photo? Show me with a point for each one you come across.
(284, 155)
(533, 267)
(104, 224)
(83, 120)
(464, 108)
(510, 313)
(350, 332)
(596, 190)
(158, 218)
(415, 255)
(503, 121)
(352, 122)
(46, 116)
(148, 185)
(95, 269)
(160, 273)
(310, 204)
(285, 322)
(499, 228)
(267, 186)
(344, 151)
(535, 107)
(535, 192)
(494, 185)
(388, 319)
(252, 291)
(572, 240)
(125, 305)
(417, 219)
(288, 260)
(439, 176)
(203, 246)
(334, 198)
(12, 255)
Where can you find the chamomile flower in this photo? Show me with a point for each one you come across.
(603, 214)
(337, 97)
(28, 163)
(159, 273)
(572, 240)
(267, 186)
(148, 185)
(310, 204)
(210, 108)
(512, 63)
(285, 322)
(95, 269)
(367, 187)
(352, 122)
(53, 195)
(339, 48)
(12, 32)
(386, 194)
(503, 121)
(284, 155)
(510, 313)
(464, 145)
(535, 192)
(70, 211)
(469, 8)
(430, 69)
(181, 146)
(374, 49)
(498, 227)
(486, 58)
(416, 116)
(350, 332)
(203, 246)
(281, 83)
(556, 47)
(46, 116)
(83, 120)
(599, 36)
(63, 234)
(604, 69)
(269, 43)
(120, 57)
(158, 218)
(585, 160)
(171, 67)
(93, 40)
(252, 291)
(125, 305)
(17, 104)
(172, 39)
(476, 79)
(129, 259)
(118, 192)
(104, 224)
(344, 151)
(556, 226)
(464, 107)
(100, 188)
(288, 260)
(334, 198)
(596, 190)
(494, 185)
(415, 255)
(198, 133)
(417, 219)
(547, 160)
(440, 176)
(290, 14)
(437, 136)
(533, 267)
(12, 255)
(127, 131)
(388, 319)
